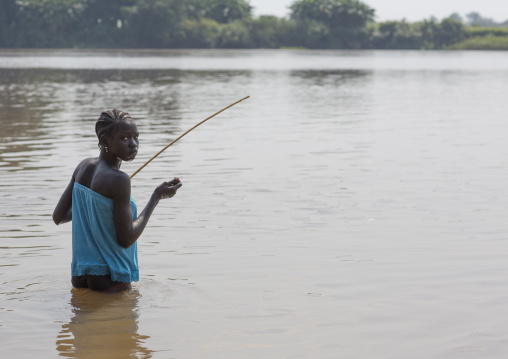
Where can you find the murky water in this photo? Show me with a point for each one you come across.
(353, 207)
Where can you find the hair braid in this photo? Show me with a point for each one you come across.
(107, 122)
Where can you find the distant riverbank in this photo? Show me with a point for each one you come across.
(230, 24)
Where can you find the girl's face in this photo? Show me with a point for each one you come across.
(124, 140)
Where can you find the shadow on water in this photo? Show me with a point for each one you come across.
(104, 325)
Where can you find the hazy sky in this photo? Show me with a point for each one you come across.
(411, 10)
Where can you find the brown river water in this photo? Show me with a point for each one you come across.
(354, 207)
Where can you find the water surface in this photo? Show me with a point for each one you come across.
(353, 207)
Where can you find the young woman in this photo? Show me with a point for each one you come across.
(105, 225)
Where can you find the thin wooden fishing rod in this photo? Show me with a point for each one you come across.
(186, 132)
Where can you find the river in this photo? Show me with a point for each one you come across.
(353, 207)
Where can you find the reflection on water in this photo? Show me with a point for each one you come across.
(103, 325)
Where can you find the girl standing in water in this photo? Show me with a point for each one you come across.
(105, 225)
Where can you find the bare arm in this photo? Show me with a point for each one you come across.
(63, 210)
(127, 230)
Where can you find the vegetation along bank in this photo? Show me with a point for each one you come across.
(313, 24)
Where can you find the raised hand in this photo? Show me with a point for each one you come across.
(168, 189)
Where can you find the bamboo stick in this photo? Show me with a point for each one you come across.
(186, 132)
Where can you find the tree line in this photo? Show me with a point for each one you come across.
(314, 24)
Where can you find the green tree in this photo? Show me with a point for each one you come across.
(8, 23)
(428, 29)
(475, 19)
(103, 23)
(61, 23)
(234, 35)
(397, 35)
(47, 23)
(456, 16)
(333, 23)
(222, 11)
(449, 32)
(226, 24)
(199, 33)
(154, 23)
(270, 32)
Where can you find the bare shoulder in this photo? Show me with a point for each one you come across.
(121, 178)
(85, 164)
(84, 168)
(119, 184)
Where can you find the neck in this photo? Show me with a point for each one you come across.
(110, 159)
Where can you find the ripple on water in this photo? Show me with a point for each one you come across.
(354, 195)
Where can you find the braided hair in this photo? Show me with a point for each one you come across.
(107, 122)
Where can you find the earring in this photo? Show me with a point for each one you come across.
(106, 148)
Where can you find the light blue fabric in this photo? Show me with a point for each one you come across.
(95, 248)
